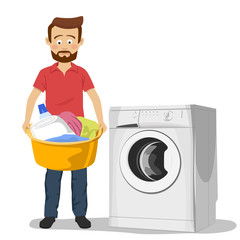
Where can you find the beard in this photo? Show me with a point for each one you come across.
(64, 59)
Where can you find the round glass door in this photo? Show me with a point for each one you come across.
(150, 161)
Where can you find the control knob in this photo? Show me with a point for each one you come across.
(168, 116)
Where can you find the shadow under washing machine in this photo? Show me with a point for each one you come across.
(163, 167)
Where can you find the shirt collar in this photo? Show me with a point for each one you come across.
(54, 67)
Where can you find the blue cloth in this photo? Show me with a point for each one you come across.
(79, 192)
(67, 138)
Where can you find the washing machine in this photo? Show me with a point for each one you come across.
(163, 167)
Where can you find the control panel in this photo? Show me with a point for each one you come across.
(150, 118)
(165, 118)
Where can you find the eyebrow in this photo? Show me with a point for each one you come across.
(71, 36)
(57, 36)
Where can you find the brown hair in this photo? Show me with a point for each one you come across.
(66, 23)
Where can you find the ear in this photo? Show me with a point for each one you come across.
(47, 41)
(81, 42)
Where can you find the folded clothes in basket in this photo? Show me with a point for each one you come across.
(67, 138)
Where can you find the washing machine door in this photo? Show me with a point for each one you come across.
(150, 161)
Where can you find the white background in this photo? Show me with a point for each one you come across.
(137, 53)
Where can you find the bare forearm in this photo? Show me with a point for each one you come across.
(98, 108)
(30, 104)
(29, 110)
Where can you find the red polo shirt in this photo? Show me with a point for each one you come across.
(64, 92)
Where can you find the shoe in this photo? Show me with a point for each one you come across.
(83, 222)
(47, 222)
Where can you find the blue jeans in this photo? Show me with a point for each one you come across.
(79, 192)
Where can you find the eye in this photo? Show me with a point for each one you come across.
(69, 41)
(59, 42)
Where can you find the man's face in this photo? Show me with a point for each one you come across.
(64, 44)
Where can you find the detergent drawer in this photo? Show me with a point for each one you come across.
(118, 119)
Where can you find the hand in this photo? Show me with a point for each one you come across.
(103, 126)
(25, 126)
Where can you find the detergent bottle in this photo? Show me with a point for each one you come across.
(50, 126)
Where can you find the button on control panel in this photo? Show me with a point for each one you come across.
(135, 114)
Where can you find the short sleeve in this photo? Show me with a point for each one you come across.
(40, 81)
(87, 82)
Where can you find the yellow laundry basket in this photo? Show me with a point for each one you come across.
(64, 156)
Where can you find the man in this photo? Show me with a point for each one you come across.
(64, 83)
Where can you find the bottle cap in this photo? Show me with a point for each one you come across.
(42, 108)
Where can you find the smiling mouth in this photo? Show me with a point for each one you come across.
(63, 53)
